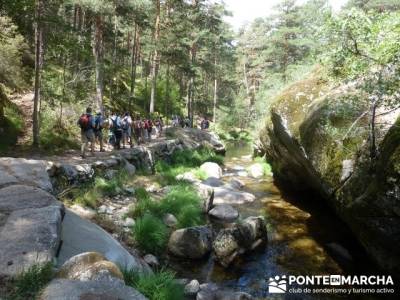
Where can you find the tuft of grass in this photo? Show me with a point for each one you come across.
(141, 194)
(143, 206)
(89, 198)
(184, 161)
(150, 233)
(190, 215)
(89, 194)
(182, 201)
(160, 285)
(28, 284)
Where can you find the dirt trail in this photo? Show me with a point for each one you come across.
(25, 103)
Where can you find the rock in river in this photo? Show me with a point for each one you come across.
(224, 213)
(192, 242)
(211, 169)
(244, 236)
(224, 195)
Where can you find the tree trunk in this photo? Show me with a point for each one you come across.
(215, 91)
(155, 58)
(167, 94)
(98, 58)
(38, 69)
(134, 60)
(3, 100)
(372, 134)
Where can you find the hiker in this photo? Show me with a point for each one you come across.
(205, 124)
(86, 123)
(116, 130)
(126, 125)
(137, 127)
(98, 130)
(149, 127)
(159, 126)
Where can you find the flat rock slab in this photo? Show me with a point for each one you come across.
(224, 195)
(24, 171)
(224, 212)
(79, 235)
(28, 237)
(64, 289)
(17, 197)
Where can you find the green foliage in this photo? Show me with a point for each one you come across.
(12, 48)
(160, 285)
(184, 161)
(150, 233)
(89, 194)
(358, 40)
(57, 135)
(28, 284)
(182, 201)
(267, 169)
(11, 128)
(89, 198)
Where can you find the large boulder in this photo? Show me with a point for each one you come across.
(25, 171)
(244, 236)
(80, 236)
(193, 138)
(89, 266)
(317, 139)
(30, 229)
(65, 289)
(192, 242)
(211, 169)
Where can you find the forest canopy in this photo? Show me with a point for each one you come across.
(182, 57)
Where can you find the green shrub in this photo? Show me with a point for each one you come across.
(56, 136)
(28, 284)
(160, 285)
(150, 233)
(11, 128)
(266, 166)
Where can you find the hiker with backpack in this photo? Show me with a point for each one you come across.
(116, 130)
(137, 126)
(149, 127)
(98, 130)
(87, 124)
(126, 126)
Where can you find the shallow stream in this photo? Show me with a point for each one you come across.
(304, 238)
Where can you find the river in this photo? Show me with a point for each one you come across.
(304, 238)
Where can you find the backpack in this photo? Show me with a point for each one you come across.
(125, 124)
(116, 123)
(84, 121)
(99, 123)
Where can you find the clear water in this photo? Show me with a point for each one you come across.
(299, 232)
